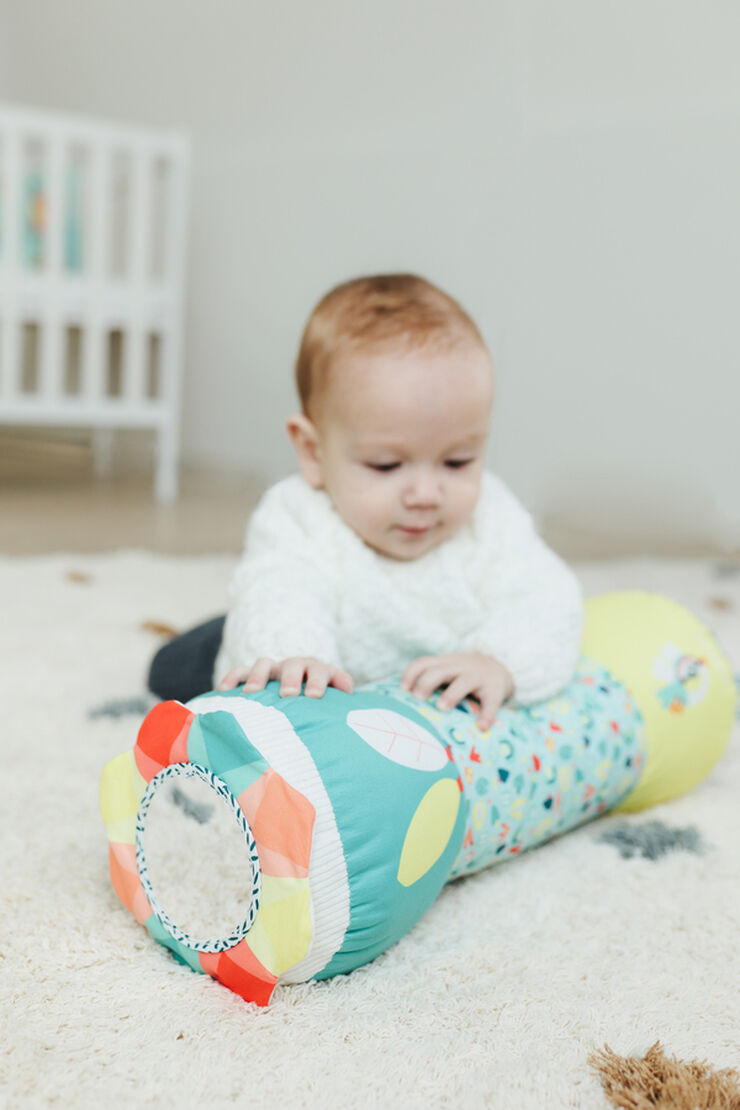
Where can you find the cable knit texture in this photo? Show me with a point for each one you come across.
(308, 585)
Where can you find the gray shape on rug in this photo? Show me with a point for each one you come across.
(652, 839)
(199, 811)
(726, 570)
(123, 707)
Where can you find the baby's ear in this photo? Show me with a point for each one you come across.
(305, 439)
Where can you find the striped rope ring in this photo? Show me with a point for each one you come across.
(220, 944)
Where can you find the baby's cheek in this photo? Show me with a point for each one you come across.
(370, 508)
(465, 501)
(381, 513)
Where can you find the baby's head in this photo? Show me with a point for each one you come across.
(396, 390)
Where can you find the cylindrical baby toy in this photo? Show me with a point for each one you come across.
(266, 839)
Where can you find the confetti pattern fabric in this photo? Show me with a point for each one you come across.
(543, 769)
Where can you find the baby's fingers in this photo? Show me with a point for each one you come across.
(341, 680)
(455, 692)
(490, 703)
(321, 675)
(254, 677)
(291, 676)
(317, 677)
(431, 678)
(234, 678)
(412, 672)
(259, 674)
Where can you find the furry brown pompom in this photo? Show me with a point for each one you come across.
(663, 1082)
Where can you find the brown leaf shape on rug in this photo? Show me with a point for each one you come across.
(80, 577)
(160, 629)
(721, 603)
(663, 1082)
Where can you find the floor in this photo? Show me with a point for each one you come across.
(51, 500)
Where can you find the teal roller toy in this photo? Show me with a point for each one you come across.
(268, 840)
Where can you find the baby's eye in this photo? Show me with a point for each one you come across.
(383, 467)
(456, 464)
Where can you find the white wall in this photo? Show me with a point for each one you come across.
(4, 76)
(569, 171)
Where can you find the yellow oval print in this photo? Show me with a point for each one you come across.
(429, 831)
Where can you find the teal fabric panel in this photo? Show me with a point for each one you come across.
(182, 954)
(375, 800)
(217, 741)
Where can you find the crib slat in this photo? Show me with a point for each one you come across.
(11, 176)
(171, 341)
(141, 179)
(174, 269)
(140, 216)
(93, 360)
(50, 321)
(54, 194)
(10, 262)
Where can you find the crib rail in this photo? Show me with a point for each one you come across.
(92, 235)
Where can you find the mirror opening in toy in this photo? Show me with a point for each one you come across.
(197, 858)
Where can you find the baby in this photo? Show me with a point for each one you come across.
(394, 550)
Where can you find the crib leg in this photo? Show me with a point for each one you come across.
(165, 481)
(102, 449)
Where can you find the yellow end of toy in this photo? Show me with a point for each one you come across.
(680, 679)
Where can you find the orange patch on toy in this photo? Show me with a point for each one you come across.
(126, 882)
(162, 738)
(250, 799)
(179, 750)
(241, 971)
(280, 817)
(275, 863)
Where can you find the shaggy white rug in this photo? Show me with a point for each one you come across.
(495, 999)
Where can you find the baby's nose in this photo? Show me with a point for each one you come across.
(423, 491)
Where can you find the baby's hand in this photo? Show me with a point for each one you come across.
(480, 675)
(291, 673)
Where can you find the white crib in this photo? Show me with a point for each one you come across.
(92, 252)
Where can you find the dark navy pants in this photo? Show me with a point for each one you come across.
(183, 667)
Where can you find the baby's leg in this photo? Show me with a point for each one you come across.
(183, 668)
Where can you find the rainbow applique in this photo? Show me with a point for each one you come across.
(686, 678)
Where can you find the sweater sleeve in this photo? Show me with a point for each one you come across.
(282, 595)
(533, 607)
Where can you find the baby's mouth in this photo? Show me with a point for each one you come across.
(415, 530)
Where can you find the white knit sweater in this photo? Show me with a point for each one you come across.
(308, 585)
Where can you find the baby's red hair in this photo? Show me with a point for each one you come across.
(386, 311)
